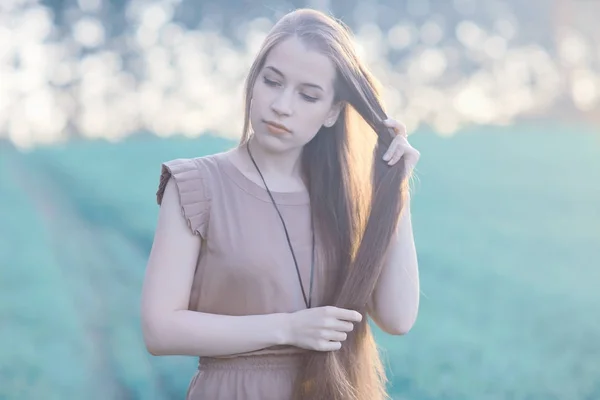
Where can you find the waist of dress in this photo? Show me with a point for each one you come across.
(260, 361)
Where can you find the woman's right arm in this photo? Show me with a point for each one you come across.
(169, 328)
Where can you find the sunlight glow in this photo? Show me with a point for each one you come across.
(163, 77)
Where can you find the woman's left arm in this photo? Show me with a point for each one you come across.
(394, 303)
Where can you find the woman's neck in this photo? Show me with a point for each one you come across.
(282, 170)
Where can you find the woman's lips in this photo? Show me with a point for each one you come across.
(276, 129)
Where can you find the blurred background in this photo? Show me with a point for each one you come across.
(502, 98)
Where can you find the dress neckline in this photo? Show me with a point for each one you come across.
(257, 190)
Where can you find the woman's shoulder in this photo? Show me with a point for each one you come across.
(205, 164)
(195, 173)
(192, 181)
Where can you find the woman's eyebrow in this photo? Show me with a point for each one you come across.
(278, 72)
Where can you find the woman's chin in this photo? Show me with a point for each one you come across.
(270, 142)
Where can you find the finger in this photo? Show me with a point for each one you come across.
(398, 127)
(339, 325)
(334, 336)
(401, 143)
(344, 314)
(342, 326)
(327, 345)
(392, 149)
(396, 157)
(411, 157)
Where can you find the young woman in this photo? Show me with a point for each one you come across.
(268, 258)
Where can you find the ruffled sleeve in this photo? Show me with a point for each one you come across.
(193, 189)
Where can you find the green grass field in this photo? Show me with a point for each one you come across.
(507, 224)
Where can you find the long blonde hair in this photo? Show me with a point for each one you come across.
(355, 217)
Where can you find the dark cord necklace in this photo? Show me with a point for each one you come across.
(307, 301)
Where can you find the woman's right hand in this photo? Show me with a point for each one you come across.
(321, 328)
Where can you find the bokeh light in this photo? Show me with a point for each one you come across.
(476, 63)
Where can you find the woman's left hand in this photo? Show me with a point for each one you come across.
(400, 148)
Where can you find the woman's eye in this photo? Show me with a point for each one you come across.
(309, 98)
(270, 82)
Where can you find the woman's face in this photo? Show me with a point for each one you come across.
(293, 96)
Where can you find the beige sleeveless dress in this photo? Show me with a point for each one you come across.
(245, 268)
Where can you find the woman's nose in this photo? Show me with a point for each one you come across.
(282, 104)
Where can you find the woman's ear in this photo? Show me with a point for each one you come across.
(333, 114)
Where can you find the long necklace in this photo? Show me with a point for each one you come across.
(307, 301)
